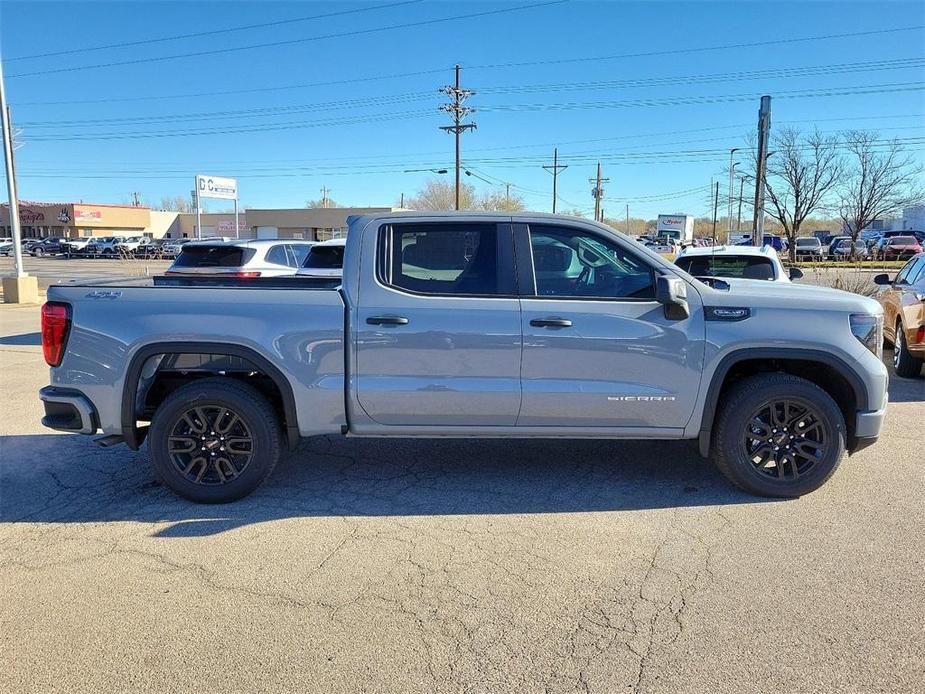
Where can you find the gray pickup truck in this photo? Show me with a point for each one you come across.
(479, 325)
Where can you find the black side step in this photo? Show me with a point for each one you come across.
(109, 440)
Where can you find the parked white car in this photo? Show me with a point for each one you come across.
(737, 262)
(325, 259)
(243, 258)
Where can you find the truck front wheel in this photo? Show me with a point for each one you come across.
(214, 440)
(778, 435)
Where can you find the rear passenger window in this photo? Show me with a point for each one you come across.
(277, 255)
(299, 252)
(452, 259)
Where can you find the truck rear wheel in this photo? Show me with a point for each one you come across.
(214, 440)
(778, 435)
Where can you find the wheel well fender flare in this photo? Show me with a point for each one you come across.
(134, 437)
(757, 353)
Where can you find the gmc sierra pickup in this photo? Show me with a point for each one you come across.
(485, 325)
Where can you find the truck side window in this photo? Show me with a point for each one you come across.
(575, 263)
(450, 259)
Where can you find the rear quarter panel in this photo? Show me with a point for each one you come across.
(300, 331)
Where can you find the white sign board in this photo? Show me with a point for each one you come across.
(217, 187)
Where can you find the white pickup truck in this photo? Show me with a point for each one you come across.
(468, 325)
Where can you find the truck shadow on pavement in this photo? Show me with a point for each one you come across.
(67, 479)
(26, 339)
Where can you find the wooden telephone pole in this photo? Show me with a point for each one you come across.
(458, 112)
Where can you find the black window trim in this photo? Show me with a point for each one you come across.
(527, 275)
(505, 250)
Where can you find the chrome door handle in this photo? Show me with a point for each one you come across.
(387, 320)
(551, 323)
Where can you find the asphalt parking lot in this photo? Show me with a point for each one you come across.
(454, 566)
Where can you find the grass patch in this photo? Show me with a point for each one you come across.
(856, 265)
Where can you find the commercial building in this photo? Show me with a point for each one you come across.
(66, 219)
(310, 224)
(70, 219)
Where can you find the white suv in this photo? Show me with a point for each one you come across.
(738, 262)
(255, 258)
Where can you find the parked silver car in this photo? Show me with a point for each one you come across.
(244, 258)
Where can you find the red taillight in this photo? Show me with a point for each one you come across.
(920, 334)
(56, 324)
(244, 275)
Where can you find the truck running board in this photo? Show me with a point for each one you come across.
(109, 440)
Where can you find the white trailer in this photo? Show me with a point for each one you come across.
(677, 226)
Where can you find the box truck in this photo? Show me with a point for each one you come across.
(680, 227)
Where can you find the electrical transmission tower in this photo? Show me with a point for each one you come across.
(458, 112)
(554, 169)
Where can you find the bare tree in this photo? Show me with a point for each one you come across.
(441, 195)
(496, 201)
(321, 203)
(176, 203)
(882, 179)
(801, 176)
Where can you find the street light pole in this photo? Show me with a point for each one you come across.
(729, 208)
(11, 180)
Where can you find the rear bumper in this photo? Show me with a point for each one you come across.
(68, 410)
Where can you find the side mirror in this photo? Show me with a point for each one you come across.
(671, 292)
(795, 273)
(882, 279)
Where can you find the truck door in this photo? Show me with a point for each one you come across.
(438, 338)
(599, 351)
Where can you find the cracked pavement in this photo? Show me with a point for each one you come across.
(454, 566)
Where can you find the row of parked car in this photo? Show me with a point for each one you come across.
(98, 247)
(259, 258)
(895, 245)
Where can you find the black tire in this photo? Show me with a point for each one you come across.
(905, 364)
(223, 477)
(38, 252)
(756, 465)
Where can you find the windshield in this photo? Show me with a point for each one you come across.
(808, 242)
(743, 266)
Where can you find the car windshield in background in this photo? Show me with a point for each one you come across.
(197, 255)
(743, 266)
(325, 258)
(808, 242)
(903, 241)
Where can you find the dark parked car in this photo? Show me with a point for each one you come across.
(49, 246)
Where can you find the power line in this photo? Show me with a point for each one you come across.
(289, 42)
(213, 32)
(458, 112)
(701, 49)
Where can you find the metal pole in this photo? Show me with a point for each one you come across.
(627, 218)
(739, 218)
(555, 175)
(731, 167)
(198, 210)
(715, 210)
(11, 180)
(597, 195)
(764, 129)
(236, 217)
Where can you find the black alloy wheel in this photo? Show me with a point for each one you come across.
(210, 445)
(785, 438)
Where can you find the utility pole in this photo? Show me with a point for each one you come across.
(135, 201)
(324, 196)
(458, 112)
(731, 168)
(20, 287)
(764, 130)
(402, 203)
(554, 170)
(627, 218)
(715, 209)
(598, 193)
(739, 218)
(507, 193)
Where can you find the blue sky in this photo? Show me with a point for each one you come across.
(662, 122)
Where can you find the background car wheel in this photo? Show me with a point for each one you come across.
(905, 364)
(214, 440)
(778, 435)
(38, 252)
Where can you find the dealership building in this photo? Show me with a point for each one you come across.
(72, 219)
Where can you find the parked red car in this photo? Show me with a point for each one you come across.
(900, 247)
